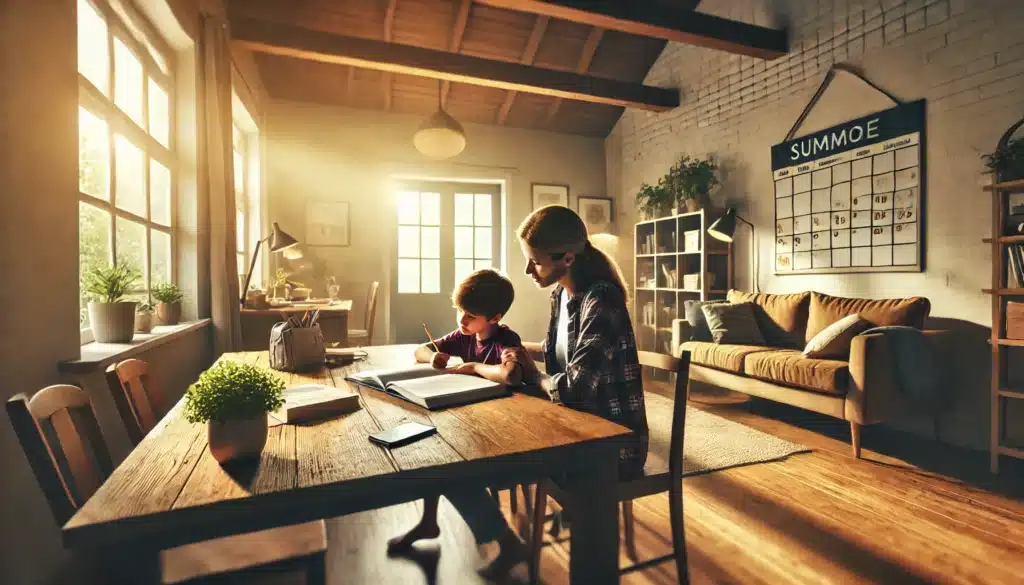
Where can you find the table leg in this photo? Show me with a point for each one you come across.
(594, 558)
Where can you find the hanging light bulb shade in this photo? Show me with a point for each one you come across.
(440, 136)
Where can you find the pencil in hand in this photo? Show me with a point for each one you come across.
(430, 338)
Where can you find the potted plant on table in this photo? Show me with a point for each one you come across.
(168, 307)
(233, 399)
(144, 317)
(111, 318)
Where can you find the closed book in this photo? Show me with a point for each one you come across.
(310, 402)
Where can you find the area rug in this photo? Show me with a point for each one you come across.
(713, 443)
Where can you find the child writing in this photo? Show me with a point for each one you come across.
(481, 300)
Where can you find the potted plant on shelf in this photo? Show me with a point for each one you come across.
(144, 317)
(1007, 162)
(653, 200)
(168, 306)
(111, 318)
(690, 181)
(233, 399)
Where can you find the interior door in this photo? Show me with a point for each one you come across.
(445, 231)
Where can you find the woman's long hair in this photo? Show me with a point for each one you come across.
(557, 230)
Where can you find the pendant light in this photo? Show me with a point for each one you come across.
(440, 136)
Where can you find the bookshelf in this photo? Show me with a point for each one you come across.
(1003, 289)
(675, 260)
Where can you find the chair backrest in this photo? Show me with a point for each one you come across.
(136, 396)
(680, 366)
(58, 431)
(371, 311)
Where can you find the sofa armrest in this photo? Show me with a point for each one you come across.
(681, 331)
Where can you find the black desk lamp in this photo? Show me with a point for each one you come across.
(279, 241)
(723, 229)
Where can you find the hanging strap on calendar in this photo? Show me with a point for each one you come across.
(824, 85)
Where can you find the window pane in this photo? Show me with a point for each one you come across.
(130, 241)
(483, 243)
(431, 242)
(463, 209)
(408, 276)
(93, 247)
(481, 264)
(408, 208)
(430, 272)
(463, 242)
(483, 210)
(239, 168)
(93, 155)
(240, 232)
(159, 193)
(462, 270)
(129, 179)
(159, 114)
(408, 241)
(242, 267)
(430, 204)
(160, 257)
(93, 60)
(128, 80)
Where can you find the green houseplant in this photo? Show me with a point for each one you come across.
(690, 180)
(144, 317)
(233, 399)
(168, 307)
(653, 200)
(1007, 162)
(111, 318)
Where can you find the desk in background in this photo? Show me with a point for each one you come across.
(256, 323)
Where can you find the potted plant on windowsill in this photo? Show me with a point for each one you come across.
(144, 317)
(168, 307)
(233, 399)
(111, 318)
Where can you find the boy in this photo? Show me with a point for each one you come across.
(481, 300)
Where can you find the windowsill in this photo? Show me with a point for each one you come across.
(97, 356)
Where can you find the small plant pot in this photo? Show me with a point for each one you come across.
(168, 313)
(143, 322)
(112, 322)
(237, 439)
(692, 205)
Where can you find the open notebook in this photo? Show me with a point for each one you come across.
(430, 388)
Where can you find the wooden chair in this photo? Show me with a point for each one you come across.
(364, 337)
(136, 396)
(58, 431)
(663, 472)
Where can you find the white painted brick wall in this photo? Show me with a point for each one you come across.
(965, 57)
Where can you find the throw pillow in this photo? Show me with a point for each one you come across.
(833, 342)
(733, 324)
(695, 317)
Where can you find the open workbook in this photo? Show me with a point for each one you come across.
(430, 388)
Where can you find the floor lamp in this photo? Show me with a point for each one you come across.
(723, 229)
(278, 240)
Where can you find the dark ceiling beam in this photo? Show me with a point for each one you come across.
(389, 33)
(529, 54)
(661, 21)
(586, 58)
(292, 41)
(459, 31)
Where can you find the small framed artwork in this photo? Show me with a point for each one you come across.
(544, 195)
(596, 213)
(327, 223)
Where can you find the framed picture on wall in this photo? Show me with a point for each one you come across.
(596, 213)
(328, 223)
(545, 194)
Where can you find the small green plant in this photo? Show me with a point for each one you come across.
(167, 293)
(691, 178)
(144, 307)
(653, 200)
(1007, 161)
(233, 391)
(109, 284)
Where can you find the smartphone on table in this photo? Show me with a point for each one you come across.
(402, 434)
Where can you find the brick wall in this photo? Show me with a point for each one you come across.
(965, 57)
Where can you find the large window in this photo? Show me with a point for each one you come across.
(127, 168)
(241, 200)
(248, 205)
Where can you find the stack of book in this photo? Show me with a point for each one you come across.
(1015, 266)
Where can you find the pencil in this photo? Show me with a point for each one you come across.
(430, 337)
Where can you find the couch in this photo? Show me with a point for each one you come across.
(862, 389)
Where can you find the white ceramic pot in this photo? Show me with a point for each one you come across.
(143, 322)
(112, 322)
(168, 313)
(237, 439)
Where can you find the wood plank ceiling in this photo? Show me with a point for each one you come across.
(464, 27)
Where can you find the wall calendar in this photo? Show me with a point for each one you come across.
(849, 198)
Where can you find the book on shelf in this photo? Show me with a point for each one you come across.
(1015, 266)
(308, 402)
(428, 387)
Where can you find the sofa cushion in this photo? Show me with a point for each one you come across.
(781, 318)
(826, 310)
(720, 356)
(790, 367)
(733, 324)
(695, 317)
(833, 342)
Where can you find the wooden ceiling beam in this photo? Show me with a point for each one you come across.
(389, 32)
(292, 41)
(650, 19)
(529, 54)
(586, 58)
(459, 31)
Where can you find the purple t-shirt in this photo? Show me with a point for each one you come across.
(470, 349)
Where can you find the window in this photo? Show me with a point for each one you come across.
(126, 162)
(248, 207)
(474, 241)
(241, 200)
(419, 242)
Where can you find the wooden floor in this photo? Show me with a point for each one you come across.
(911, 511)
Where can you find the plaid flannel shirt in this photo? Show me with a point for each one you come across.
(602, 374)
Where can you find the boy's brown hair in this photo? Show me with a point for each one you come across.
(484, 292)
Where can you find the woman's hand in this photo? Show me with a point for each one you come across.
(521, 356)
(439, 360)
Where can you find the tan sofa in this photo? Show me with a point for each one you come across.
(861, 390)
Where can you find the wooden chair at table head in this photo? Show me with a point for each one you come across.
(136, 396)
(364, 336)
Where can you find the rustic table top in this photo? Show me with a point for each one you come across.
(342, 306)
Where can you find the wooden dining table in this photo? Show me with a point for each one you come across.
(170, 491)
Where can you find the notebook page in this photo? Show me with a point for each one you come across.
(444, 385)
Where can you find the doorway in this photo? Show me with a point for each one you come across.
(445, 230)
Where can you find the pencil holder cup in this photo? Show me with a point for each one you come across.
(296, 349)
